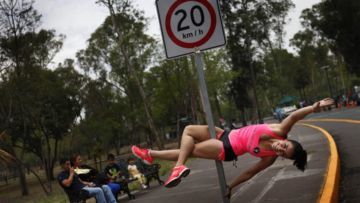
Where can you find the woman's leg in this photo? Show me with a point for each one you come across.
(208, 149)
(170, 155)
(192, 134)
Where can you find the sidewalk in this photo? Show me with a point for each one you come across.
(281, 182)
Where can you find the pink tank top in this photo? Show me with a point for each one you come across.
(247, 139)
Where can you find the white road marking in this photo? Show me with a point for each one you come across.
(269, 185)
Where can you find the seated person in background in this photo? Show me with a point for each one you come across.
(113, 174)
(73, 185)
(112, 170)
(87, 173)
(135, 173)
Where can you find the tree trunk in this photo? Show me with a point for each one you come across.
(151, 124)
(277, 67)
(193, 105)
(41, 183)
(95, 163)
(22, 178)
(53, 160)
(46, 162)
(243, 117)
(257, 107)
(100, 164)
(217, 105)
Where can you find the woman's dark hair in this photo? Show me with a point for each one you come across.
(299, 156)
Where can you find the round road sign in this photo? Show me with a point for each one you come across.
(190, 23)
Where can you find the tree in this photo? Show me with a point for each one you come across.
(174, 93)
(43, 116)
(101, 125)
(119, 51)
(5, 157)
(118, 10)
(16, 19)
(38, 106)
(316, 51)
(338, 22)
(249, 25)
(218, 76)
(277, 76)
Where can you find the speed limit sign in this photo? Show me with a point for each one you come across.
(189, 24)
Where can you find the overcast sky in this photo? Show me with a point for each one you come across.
(77, 19)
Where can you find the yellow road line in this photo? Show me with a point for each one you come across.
(330, 190)
(332, 120)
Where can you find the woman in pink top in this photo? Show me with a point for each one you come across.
(267, 141)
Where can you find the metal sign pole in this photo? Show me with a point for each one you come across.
(209, 119)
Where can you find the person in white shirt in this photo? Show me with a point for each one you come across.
(135, 173)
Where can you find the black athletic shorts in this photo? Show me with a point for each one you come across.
(229, 152)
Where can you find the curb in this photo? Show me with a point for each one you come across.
(332, 120)
(330, 189)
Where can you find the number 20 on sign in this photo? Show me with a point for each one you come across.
(189, 24)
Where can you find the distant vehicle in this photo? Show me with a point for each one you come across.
(286, 105)
(286, 111)
(283, 112)
(357, 91)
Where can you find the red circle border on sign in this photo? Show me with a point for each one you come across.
(202, 40)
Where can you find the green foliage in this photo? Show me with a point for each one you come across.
(112, 58)
(102, 126)
(249, 26)
(18, 17)
(104, 109)
(41, 109)
(316, 50)
(170, 85)
(38, 109)
(337, 21)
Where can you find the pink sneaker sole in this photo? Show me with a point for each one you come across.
(174, 182)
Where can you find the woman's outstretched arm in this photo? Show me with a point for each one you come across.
(250, 172)
(299, 114)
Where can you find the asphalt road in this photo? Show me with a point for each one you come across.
(281, 182)
(347, 138)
